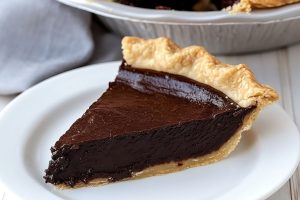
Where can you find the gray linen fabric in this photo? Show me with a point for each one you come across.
(39, 39)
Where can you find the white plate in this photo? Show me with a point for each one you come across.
(265, 159)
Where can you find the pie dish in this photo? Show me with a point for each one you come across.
(218, 31)
(207, 5)
(169, 109)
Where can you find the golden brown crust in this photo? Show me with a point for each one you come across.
(248, 5)
(271, 3)
(194, 62)
(242, 6)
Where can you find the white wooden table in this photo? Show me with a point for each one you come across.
(278, 68)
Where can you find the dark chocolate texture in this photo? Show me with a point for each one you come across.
(220, 4)
(145, 118)
(161, 4)
(187, 5)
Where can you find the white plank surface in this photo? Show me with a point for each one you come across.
(280, 69)
(293, 55)
(1, 193)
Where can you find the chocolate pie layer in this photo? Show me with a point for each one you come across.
(145, 118)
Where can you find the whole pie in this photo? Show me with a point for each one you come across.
(168, 109)
(208, 5)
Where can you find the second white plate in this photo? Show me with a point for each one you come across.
(264, 160)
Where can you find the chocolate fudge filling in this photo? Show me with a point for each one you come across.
(187, 5)
(220, 4)
(145, 118)
(161, 4)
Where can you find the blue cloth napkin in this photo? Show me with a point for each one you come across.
(39, 39)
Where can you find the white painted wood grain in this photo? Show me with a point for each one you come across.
(283, 194)
(1, 193)
(4, 100)
(294, 68)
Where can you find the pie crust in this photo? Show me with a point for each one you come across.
(248, 5)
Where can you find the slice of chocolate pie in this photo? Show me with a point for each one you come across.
(168, 109)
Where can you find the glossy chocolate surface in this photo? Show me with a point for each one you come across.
(145, 118)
